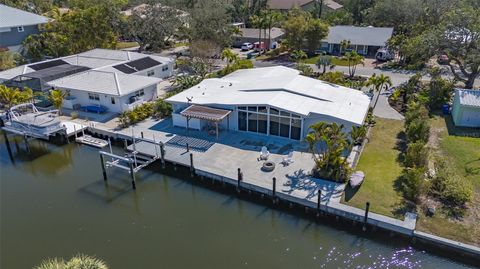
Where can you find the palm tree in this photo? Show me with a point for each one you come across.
(78, 262)
(259, 23)
(378, 82)
(230, 56)
(9, 96)
(298, 55)
(56, 97)
(344, 44)
(324, 61)
(333, 77)
(271, 19)
(353, 59)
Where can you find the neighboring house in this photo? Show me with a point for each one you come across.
(466, 108)
(275, 101)
(16, 25)
(117, 80)
(250, 35)
(364, 40)
(285, 5)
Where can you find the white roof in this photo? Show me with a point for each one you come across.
(370, 36)
(97, 58)
(283, 88)
(110, 83)
(13, 17)
(468, 97)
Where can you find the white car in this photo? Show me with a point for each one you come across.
(247, 46)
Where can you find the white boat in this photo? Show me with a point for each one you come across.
(25, 119)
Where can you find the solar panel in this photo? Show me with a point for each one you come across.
(45, 65)
(137, 65)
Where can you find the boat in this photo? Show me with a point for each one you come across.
(25, 119)
(356, 179)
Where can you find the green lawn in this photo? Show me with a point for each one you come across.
(461, 154)
(379, 162)
(126, 45)
(335, 61)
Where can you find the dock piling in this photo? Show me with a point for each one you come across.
(27, 146)
(141, 134)
(132, 174)
(239, 179)
(162, 154)
(366, 216)
(104, 171)
(274, 187)
(319, 201)
(192, 169)
(188, 147)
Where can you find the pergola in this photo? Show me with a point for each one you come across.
(215, 115)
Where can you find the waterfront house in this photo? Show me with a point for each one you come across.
(364, 40)
(275, 101)
(113, 79)
(466, 108)
(16, 25)
(308, 5)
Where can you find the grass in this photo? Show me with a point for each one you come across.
(181, 44)
(335, 61)
(126, 45)
(461, 153)
(379, 161)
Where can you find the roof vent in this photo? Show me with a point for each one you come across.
(230, 84)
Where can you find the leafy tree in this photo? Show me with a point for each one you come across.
(323, 62)
(298, 56)
(7, 60)
(303, 31)
(56, 97)
(185, 82)
(440, 90)
(155, 26)
(353, 59)
(378, 83)
(162, 109)
(357, 8)
(327, 143)
(203, 53)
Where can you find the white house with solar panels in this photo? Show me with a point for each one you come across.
(275, 101)
(98, 80)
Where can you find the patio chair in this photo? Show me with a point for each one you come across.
(288, 159)
(264, 153)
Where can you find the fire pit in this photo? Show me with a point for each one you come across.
(268, 166)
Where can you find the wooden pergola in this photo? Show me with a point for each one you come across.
(215, 115)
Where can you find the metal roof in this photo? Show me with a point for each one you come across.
(468, 97)
(254, 32)
(13, 17)
(280, 87)
(370, 36)
(205, 113)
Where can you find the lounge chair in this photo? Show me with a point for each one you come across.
(264, 153)
(288, 159)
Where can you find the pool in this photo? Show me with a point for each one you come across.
(94, 108)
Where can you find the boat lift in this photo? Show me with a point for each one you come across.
(132, 162)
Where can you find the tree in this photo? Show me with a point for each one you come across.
(9, 96)
(327, 143)
(324, 61)
(203, 53)
(7, 60)
(259, 23)
(440, 90)
(298, 56)
(155, 25)
(314, 33)
(303, 31)
(56, 97)
(344, 44)
(271, 19)
(79, 261)
(378, 83)
(353, 59)
(230, 56)
(357, 134)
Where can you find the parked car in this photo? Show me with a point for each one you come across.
(443, 59)
(247, 46)
(259, 46)
(384, 55)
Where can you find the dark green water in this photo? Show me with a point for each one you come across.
(54, 203)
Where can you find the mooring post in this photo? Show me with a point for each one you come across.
(162, 154)
(141, 134)
(239, 179)
(319, 201)
(188, 148)
(132, 174)
(104, 171)
(366, 216)
(274, 188)
(9, 149)
(25, 138)
(192, 169)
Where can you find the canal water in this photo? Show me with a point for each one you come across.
(54, 203)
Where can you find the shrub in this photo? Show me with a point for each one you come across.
(439, 90)
(418, 131)
(413, 184)
(357, 134)
(162, 109)
(305, 69)
(450, 188)
(416, 155)
(138, 114)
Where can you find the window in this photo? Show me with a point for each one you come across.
(150, 73)
(20, 29)
(252, 122)
(165, 68)
(93, 96)
(296, 128)
(242, 121)
(140, 93)
(112, 99)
